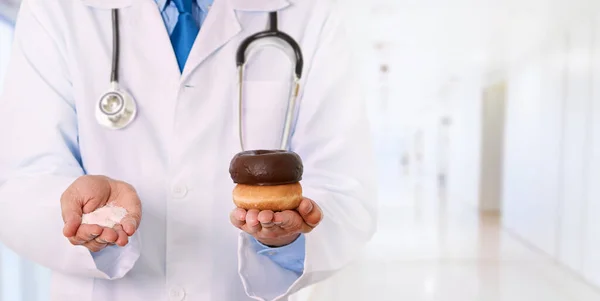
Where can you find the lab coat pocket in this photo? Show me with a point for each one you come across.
(263, 113)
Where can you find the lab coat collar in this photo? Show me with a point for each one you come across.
(162, 4)
(108, 4)
(220, 26)
(259, 5)
(203, 4)
(239, 5)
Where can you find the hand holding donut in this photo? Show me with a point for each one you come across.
(268, 196)
(277, 229)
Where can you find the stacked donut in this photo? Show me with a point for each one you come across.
(267, 180)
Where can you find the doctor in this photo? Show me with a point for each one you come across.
(183, 240)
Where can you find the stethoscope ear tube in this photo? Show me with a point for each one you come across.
(272, 32)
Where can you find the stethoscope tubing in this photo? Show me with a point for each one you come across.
(116, 54)
(271, 32)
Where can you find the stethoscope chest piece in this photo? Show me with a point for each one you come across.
(116, 109)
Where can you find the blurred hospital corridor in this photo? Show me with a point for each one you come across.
(427, 249)
(485, 118)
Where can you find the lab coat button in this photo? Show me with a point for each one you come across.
(177, 294)
(179, 191)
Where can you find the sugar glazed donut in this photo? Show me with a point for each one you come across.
(267, 180)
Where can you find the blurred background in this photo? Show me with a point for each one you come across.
(486, 118)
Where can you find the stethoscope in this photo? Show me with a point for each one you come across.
(117, 108)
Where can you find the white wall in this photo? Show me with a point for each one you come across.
(591, 237)
(576, 144)
(551, 166)
(464, 166)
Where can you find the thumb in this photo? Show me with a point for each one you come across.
(130, 223)
(72, 220)
(71, 213)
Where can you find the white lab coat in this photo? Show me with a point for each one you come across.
(177, 151)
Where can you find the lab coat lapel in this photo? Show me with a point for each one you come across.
(154, 45)
(221, 25)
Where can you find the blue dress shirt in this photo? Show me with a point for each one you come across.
(292, 256)
(170, 13)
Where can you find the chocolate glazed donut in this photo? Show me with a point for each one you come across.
(267, 180)
(266, 168)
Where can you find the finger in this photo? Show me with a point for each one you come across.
(108, 236)
(289, 220)
(252, 224)
(76, 242)
(310, 212)
(122, 239)
(238, 217)
(252, 217)
(94, 246)
(87, 233)
(265, 218)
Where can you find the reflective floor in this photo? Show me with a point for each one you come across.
(428, 248)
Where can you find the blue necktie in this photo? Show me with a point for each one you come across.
(185, 32)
